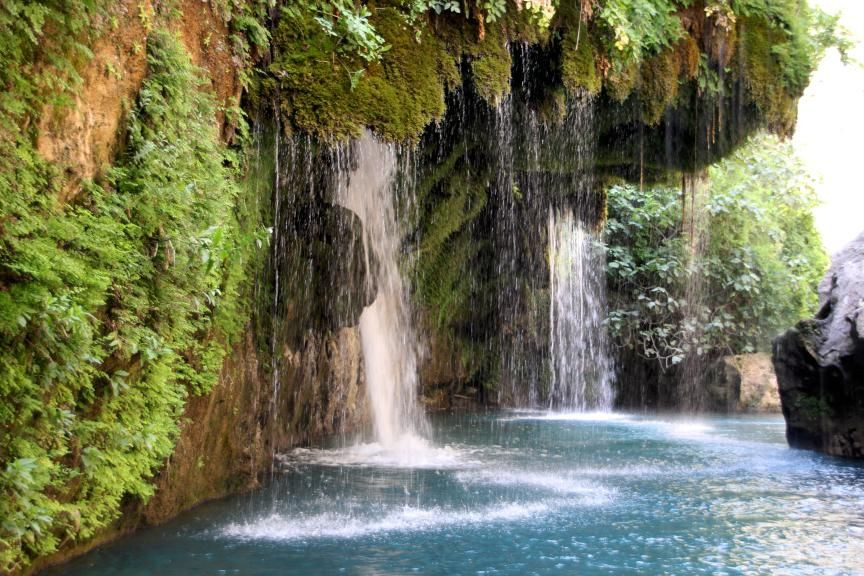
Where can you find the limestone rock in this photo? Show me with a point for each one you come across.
(751, 382)
(820, 364)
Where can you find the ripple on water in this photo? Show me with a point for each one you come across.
(557, 482)
(634, 495)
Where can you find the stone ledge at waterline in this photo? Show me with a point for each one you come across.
(743, 383)
(820, 364)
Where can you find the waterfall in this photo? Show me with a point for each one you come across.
(386, 331)
(579, 359)
(691, 386)
(544, 160)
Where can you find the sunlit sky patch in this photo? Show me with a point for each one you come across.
(830, 130)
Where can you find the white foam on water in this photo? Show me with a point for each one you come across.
(629, 472)
(279, 527)
(680, 428)
(688, 429)
(567, 416)
(408, 451)
(560, 483)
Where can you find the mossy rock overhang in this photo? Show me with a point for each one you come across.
(678, 110)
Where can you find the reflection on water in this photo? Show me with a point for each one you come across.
(529, 493)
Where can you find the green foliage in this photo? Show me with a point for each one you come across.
(29, 81)
(493, 9)
(541, 11)
(348, 24)
(113, 308)
(646, 270)
(765, 258)
(759, 270)
(639, 28)
(437, 6)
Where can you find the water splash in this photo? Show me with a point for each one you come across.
(581, 369)
(412, 453)
(386, 331)
(407, 519)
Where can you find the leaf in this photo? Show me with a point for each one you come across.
(355, 77)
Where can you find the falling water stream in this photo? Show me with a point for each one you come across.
(581, 369)
(386, 331)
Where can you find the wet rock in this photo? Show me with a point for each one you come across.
(722, 386)
(820, 364)
(322, 389)
(321, 271)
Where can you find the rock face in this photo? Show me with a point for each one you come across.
(820, 364)
(758, 383)
(229, 436)
(742, 383)
(83, 138)
(723, 383)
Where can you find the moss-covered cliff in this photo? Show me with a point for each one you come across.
(133, 227)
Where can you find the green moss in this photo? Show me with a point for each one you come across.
(764, 74)
(114, 309)
(451, 197)
(490, 58)
(621, 81)
(491, 64)
(396, 97)
(689, 55)
(403, 93)
(579, 61)
(658, 85)
(335, 95)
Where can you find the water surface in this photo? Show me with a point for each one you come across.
(523, 493)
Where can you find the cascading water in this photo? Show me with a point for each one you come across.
(544, 162)
(580, 364)
(389, 342)
(691, 393)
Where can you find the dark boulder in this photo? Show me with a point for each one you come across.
(820, 364)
